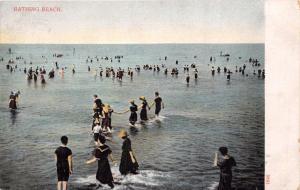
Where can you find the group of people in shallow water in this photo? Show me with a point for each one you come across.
(128, 163)
(119, 73)
(102, 113)
(102, 122)
(101, 154)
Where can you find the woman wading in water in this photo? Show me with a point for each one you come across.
(128, 161)
(101, 154)
(133, 108)
(143, 114)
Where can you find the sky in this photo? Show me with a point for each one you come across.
(119, 22)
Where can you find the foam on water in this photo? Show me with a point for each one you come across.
(144, 178)
(213, 186)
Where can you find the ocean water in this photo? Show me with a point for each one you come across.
(175, 151)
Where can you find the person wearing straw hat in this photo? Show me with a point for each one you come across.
(101, 154)
(106, 122)
(143, 113)
(129, 164)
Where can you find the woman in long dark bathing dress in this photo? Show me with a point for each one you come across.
(128, 161)
(101, 153)
(143, 114)
(133, 109)
(225, 165)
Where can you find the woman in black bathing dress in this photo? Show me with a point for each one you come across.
(133, 115)
(101, 154)
(143, 114)
(225, 165)
(128, 161)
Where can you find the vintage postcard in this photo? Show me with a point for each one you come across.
(148, 94)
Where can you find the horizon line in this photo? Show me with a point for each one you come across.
(154, 43)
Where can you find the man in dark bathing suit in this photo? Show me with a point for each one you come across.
(158, 104)
(64, 164)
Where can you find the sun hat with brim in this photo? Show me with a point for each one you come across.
(122, 133)
(142, 98)
(106, 107)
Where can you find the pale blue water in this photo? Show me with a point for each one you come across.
(175, 152)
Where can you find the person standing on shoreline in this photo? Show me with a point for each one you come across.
(64, 164)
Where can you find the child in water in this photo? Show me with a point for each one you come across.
(97, 130)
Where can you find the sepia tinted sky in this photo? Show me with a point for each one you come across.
(102, 22)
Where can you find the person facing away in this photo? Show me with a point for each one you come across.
(158, 104)
(133, 115)
(128, 164)
(64, 164)
(101, 154)
(187, 79)
(12, 101)
(98, 105)
(143, 113)
(225, 164)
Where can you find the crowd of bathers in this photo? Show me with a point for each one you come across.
(102, 114)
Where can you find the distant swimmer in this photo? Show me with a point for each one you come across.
(43, 81)
(196, 74)
(143, 106)
(212, 71)
(228, 75)
(187, 79)
(12, 101)
(51, 73)
(35, 76)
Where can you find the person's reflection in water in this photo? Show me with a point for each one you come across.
(13, 116)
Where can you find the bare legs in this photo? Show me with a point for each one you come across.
(62, 185)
